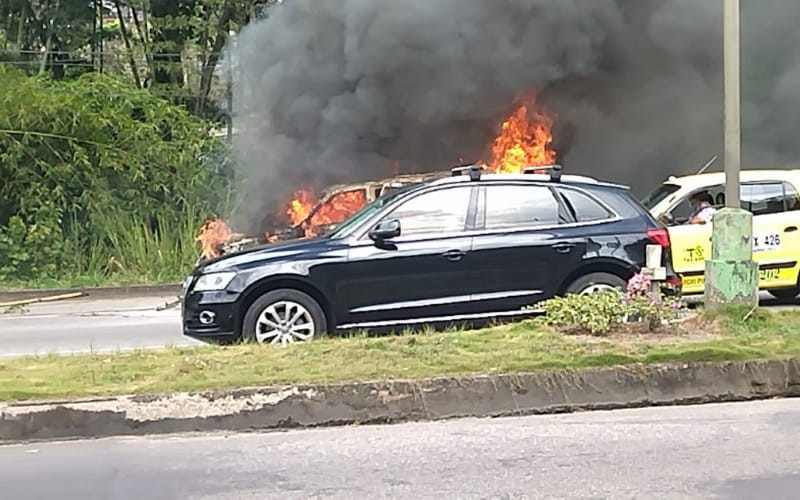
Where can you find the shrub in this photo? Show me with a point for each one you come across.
(597, 313)
(99, 178)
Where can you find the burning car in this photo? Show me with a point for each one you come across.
(307, 217)
(524, 140)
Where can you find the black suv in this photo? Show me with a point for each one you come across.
(453, 249)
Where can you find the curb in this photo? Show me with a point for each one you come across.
(401, 400)
(99, 292)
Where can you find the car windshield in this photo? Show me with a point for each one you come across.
(366, 212)
(658, 195)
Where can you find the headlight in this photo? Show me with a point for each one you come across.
(213, 281)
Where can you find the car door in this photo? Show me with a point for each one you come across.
(423, 272)
(691, 243)
(776, 234)
(521, 252)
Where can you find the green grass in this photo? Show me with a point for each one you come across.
(124, 250)
(520, 347)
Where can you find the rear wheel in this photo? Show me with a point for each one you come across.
(785, 293)
(282, 317)
(596, 282)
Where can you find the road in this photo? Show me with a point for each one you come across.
(83, 325)
(739, 450)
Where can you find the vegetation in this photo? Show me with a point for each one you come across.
(598, 313)
(523, 347)
(100, 181)
(173, 47)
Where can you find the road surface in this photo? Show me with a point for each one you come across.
(83, 325)
(739, 450)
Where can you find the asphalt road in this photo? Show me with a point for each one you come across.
(739, 450)
(83, 325)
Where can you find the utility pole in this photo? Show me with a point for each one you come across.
(733, 99)
(731, 276)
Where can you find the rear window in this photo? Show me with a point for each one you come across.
(583, 207)
(657, 196)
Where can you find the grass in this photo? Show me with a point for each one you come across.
(520, 347)
(124, 249)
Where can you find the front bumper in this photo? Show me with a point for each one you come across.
(211, 315)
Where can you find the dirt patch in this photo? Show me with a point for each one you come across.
(693, 328)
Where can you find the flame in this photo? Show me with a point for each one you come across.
(523, 141)
(301, 204)
(335, 210)
(213, 233)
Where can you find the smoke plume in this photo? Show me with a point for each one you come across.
(330, 91)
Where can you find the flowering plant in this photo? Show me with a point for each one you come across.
(598, 312)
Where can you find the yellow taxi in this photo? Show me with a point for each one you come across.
(772, 197)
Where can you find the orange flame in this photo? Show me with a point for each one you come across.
(336, 209)
(523, 141)
(213, 233)
(301, 204)
(333, 211)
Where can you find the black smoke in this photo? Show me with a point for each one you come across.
(330, 91)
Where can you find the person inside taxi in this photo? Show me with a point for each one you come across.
(702, 203)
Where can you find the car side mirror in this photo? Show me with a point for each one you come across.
(667, 219)
(385, 230)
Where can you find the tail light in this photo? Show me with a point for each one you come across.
(659, 235)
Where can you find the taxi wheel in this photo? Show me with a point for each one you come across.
(784, 293)
(282, 317)
(596, 282)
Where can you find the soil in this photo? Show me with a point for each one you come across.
(691, 328)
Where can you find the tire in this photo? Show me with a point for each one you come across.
(595, 282)
(784, 293)
(277, 308)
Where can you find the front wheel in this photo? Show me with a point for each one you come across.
(282, 317)
(596, 282)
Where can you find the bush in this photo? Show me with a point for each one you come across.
(598, 313)
(99, 179)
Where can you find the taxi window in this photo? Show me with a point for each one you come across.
(792, 198)
(763, 198)
(658, 195)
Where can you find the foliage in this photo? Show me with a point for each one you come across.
(599, 312)
(99, 178)
(171, 46)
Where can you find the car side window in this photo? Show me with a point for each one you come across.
(512, 207)
(792, 197)
(435, 212)
(763, 198)
(583, 207)
(684, 209)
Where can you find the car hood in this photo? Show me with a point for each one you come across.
(285, 250)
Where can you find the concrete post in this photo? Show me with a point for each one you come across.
(731, 276)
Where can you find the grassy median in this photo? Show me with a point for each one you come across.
(526, 346)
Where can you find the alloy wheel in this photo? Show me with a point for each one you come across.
(284, 322)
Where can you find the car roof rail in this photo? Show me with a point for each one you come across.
(473, 169)
(553, 170)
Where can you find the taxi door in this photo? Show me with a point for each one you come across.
(691, 246)
(776, 233)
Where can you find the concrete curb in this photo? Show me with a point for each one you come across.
(99, 292)
(402, 400)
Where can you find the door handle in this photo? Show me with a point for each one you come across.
(790, 229)
(563, 247)
(453, 255)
